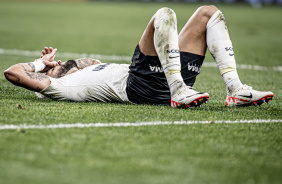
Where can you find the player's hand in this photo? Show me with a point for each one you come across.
(46, 51)
(48, 57)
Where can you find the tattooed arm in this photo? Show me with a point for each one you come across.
(23, 75)
(84, 62)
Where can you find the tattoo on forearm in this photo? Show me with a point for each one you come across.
(31, 66)
(18, 80)
(84, 62)
(27, 66)
(36, 76)
(24, 67)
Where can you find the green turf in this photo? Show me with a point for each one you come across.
(212, 153)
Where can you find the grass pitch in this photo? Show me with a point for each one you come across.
(211, 153)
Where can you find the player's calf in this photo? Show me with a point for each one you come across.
(166, 45)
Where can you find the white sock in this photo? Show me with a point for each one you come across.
(220, 47)
(231, 81)
(166, 45)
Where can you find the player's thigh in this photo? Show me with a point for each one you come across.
(192, 38)
(146, 44)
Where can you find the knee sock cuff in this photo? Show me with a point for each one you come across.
(215, 18)
(164, 15)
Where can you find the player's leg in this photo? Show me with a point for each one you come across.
(220, 46)
(207, 28)
(167, 48)
(192, 37)
(146, 43)
(161, 39)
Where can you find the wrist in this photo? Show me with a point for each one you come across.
(38, 65)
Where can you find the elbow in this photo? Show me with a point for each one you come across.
(8, 74)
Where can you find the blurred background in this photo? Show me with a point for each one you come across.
(114, 27)
(255, 3)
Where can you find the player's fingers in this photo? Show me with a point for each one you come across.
(53, 53)
(54, 63)
(47, 50)
(50, 64)
(41, 56)
(59, 62)
(43, 52)
(51, 49)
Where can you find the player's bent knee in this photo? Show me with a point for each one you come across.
(166, 15)
(166, 9)
(207, 11)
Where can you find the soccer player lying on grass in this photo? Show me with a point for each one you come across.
(163, 69)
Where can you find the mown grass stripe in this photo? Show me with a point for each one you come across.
(122, 58)
(81, 125)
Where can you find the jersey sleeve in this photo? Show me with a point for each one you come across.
(39, 95)
(56, 90)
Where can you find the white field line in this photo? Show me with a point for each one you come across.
(68, 55)
(81, 125)
(116, 58)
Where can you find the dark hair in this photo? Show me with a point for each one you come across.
(66, 67)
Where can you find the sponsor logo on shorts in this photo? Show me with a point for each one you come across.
(196, 68)
(156, 68)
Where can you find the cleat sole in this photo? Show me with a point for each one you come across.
(251, 103)
(195, 103)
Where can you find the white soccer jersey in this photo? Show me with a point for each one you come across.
(103, 82)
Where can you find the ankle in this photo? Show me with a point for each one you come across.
(176, 86)
(233, 86)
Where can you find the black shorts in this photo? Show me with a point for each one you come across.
(147, 83)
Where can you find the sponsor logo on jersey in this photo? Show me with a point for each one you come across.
(156, 68)
(101, 66)
(196, 68)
